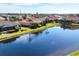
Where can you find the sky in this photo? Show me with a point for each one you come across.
(60, 8)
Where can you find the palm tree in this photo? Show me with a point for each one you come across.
(46, 20)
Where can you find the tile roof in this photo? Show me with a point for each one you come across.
(7, 23)
(72, 18)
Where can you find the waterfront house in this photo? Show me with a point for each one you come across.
(53, 17)
(32, 20)
(72, 18)
(29, 22)
(2, 18)
(25, 23)
(7, 26)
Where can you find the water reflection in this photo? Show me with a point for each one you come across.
(71, 27)
(26, 38)
(30, 38)
(55, 42)
(47, 32)
(38, 33)
(9, 40)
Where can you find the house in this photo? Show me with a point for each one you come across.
(53, 17)
(7, 26)
(31, 22)
(25, 23)
(72, 18)
(2, 18)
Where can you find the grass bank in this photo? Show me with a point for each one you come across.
(25, 30)
(76, 53)
(74, 24)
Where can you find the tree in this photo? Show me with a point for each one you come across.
(18, 27)
(33, 25)
(14, 18)
(43, 23)
(77, 15)
(24, 17)
(56, 20)
(47, 20)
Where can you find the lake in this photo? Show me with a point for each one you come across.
(55, 41)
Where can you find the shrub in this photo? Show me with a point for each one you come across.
(18, 27)
(33, 25)
(56, 20)
(43, 23)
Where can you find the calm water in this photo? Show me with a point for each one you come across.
(53, 41)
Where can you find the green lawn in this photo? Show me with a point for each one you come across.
(76, 53)
(75, 24)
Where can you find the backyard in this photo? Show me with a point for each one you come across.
(25, 30)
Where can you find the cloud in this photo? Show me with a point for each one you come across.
(24, 3)
(39, 7)
(40, 1)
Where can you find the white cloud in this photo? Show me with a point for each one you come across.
(39, 1)
(24, 3)
(41, 8)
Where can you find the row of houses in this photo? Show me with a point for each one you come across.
(32, 20)
(72, 18)
(28, 21)
(66, 18)
(53, 17)
(7, 25)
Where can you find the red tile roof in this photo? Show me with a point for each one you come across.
(72, 18)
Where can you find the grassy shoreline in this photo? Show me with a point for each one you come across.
(76, 53)
(25, 31)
